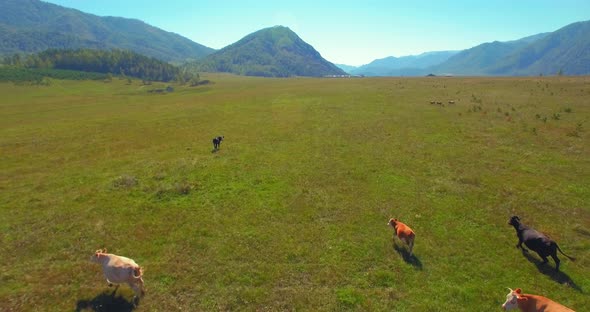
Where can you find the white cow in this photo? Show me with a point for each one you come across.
(119, 270)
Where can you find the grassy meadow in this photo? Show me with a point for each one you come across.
(291, 213)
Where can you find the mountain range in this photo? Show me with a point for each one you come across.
(566, 50)
(33, 26)
(402, 66)
(29, 26)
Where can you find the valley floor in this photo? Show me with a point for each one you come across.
(291, 212)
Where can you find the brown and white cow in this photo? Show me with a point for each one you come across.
(119, 270)
(531, 303)
(403, 232)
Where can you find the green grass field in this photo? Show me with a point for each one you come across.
(291, 213)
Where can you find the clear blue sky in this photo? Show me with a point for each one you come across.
(351, 32)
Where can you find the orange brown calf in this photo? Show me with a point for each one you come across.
(403, 232)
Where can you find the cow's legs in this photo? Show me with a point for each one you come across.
(519, 245)
(140, 284)
(137, 290)
(115, 290)
(554, 256)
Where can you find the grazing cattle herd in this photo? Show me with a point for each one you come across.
(440, 103)
(122, 270)
(533, 239)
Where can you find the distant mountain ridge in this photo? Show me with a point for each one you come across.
(33, 26)
(480, 59)
(347, 68)
(403, 66)
(566, 50)
(271, 52)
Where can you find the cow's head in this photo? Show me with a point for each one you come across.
(98, 254)
(392, 222)
(514, 221)
(512, 299)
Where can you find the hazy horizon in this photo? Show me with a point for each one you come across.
(351, 33)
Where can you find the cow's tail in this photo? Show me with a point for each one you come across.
(571, 258)
(137, 272)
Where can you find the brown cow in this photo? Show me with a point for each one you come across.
(119, 270)
(403, 232)
(531, 303)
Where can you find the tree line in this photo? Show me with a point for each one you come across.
(115, 62)
(43, 76)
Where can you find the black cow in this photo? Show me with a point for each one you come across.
(217, 142)
(536, 241)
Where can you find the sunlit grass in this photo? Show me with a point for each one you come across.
(291, 212)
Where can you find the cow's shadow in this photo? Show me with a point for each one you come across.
(549, 270)
(106, 301)
(405, 254)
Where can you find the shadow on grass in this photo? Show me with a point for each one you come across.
(215, 150)
(583, 232)
(105, 301)
(413, 260)
(550, 271)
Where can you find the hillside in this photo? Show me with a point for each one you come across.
(479, 59)
(567, 49)
(405, 65)
(270, 52)
(32, 26)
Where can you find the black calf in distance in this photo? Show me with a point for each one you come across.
(217, 142)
